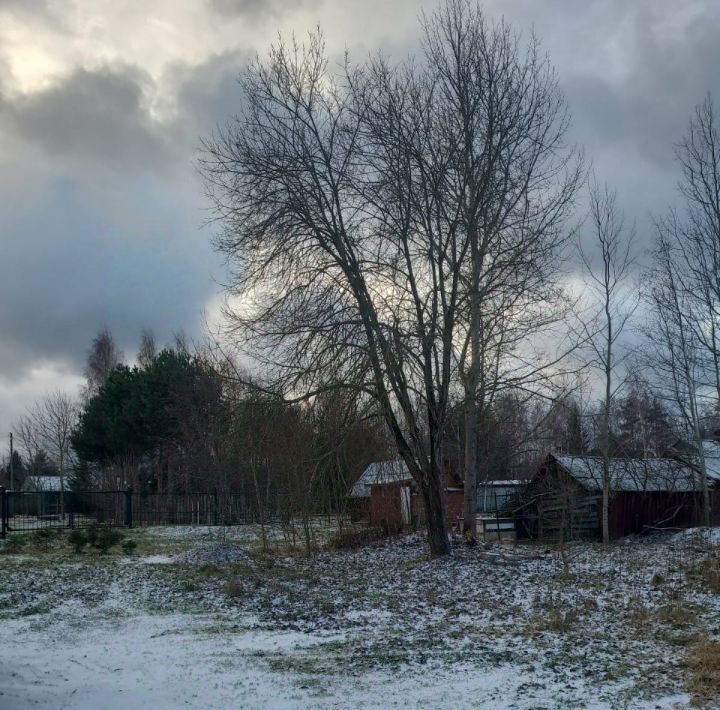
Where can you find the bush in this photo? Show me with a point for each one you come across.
(107, 537)
(42, 537)
(77, 539)
(129, 546)
(350, 539)
(14, 544)
(92, 533)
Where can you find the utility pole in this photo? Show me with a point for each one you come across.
(12, 487)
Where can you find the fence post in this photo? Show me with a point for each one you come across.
(216, 506)
(128, 508)
(3, 513)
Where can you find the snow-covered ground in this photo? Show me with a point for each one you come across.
(382, 626)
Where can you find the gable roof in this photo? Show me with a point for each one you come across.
(41, 483)
(631, 475)
(380, 472)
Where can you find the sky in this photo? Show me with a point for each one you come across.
(103, 221)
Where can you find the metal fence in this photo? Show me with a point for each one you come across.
(30, 510)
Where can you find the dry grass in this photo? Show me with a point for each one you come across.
(233, 589)
(703, 663)
(676, 615)
(705, 572)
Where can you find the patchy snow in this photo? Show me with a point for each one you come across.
(172, 661)
(706, 536)
(383, 626)
(218, 553)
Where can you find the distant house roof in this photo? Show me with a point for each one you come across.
(688, 454)
(631, 475)
(502, 483)
(711, 451)
(42, 483)
(380, 472)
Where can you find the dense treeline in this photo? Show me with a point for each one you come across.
(178, 422)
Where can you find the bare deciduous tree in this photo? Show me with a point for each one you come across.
(673, 346)
(147, 350)
(685, 296)
(342, 199)
(513, 182)
(344, 279)
(102, 357)
(614, 306)
(47, 427)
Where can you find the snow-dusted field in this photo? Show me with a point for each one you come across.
(223, 626)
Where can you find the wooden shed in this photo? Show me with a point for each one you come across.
(389, 498)
(564, 498)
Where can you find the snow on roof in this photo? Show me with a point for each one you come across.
(42, 483)
(380, 472)
(643, 475)
(711, 452)
(503, 483)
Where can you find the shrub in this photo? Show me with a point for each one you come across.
(107, 537)
(233, 588)
(92, 533)
(42, 537)
(77, 539)
(129, 546)
(350, 539)
(14, 544)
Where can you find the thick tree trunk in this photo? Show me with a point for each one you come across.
(471, 465)
(471, 395)
(434, 498)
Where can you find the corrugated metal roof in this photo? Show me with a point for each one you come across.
(633, 475)
(380, 472)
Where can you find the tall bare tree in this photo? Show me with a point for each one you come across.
(147, 350)
(674, 348)
(102, 357)
(697, 231)
(513, 183)
(47, 427)
(345, 283)
(342, 198)
(608, 279)
(686, 294)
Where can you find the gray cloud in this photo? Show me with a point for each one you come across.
(255, 10)
(96, 117)
(96, 228)
(209, 94)
(647, 107)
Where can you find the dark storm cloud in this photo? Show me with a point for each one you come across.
(96, 117)
(101, 218)
(646, 108)
(75, 262)
(209, 94)
(102, 208)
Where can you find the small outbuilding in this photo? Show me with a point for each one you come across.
(387, 496)
(33, 483)
(564, 498)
